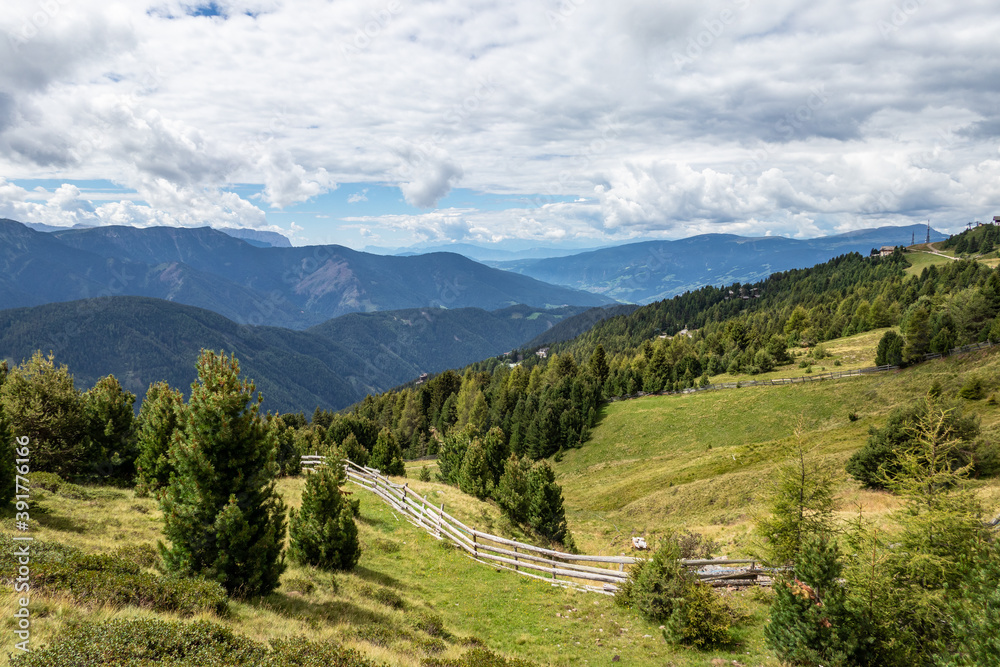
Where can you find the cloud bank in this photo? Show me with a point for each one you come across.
(662, 119)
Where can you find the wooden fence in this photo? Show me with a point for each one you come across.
(599, 574)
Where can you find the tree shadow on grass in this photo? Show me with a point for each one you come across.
(373, 521)
(378, 577)
(333, 612)
(59, 522)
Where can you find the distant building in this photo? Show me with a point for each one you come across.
(423, 378)
(886, 250)
(543, 353)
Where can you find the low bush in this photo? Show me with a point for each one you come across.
(143, 555)
(115, 579)
(299, 585)
(136, 642)
(973, 389)
(46, 480)
(701, 619)
(695, 545)
(386, 596)
(77, 492)
(107, 579)
(663, 591)
(431, 624)
(376, 635)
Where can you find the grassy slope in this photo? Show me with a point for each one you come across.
(702, 461)
(512, 614)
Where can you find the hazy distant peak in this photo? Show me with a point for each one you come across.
(258, 237)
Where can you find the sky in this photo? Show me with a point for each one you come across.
(575, 123)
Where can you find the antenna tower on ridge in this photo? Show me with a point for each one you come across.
(928, 230)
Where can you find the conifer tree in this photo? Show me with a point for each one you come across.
(322, 532)
(110, 420)
(599, 364)
(7, 463)
(222, 514)
(354, 451)
(474, 477)
(158, 420)
(42, 404)
(545, 503)
(809, 624)
(512, 492)
(801, 506)
(387, 457)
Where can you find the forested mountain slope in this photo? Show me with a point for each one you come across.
(142, 340)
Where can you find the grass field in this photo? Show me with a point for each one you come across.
(702, 461)
(920, 259)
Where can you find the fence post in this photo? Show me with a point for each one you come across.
(440, 519)
(475, 546)
(516, 568)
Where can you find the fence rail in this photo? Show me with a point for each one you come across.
(598, 574)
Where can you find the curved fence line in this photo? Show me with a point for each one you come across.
(594, 574)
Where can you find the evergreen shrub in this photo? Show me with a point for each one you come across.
(134, 642)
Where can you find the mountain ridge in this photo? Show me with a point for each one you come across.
(294, 287)
(649, 271)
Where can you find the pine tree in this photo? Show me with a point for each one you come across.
(7, 463)
(809, 624)
(545, 503)
(975, 612)
(599, 364)
(158, 420)
(354, 451)
(917, 335)
(474, 477)
(890, 350)
(512, 492)
(222, 514)
(110, 420)
(387, 457)
(42, 404)
(496, 451)
(322, 532)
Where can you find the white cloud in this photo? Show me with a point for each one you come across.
(787, 117)
(358, 197)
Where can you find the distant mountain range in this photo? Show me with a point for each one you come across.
(482, 253)
(254, 237)
(288, 287)
(143, 340)
(653, 270)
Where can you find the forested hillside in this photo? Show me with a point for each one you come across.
(142, 340)
(543, 405)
